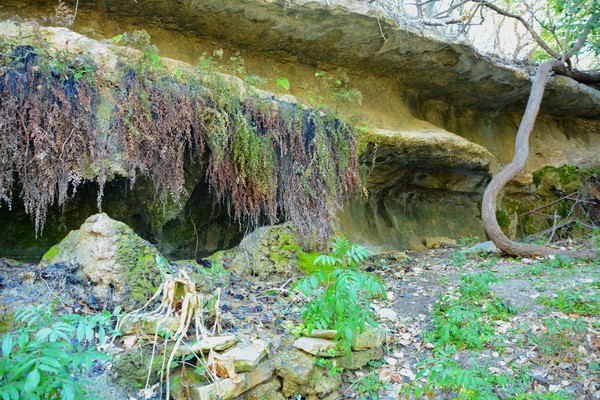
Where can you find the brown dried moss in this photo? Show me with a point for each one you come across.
(267, 160)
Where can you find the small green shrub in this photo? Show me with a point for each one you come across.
(340, 299)
(570, 301)
(369, 385)
(41, 359)
(443, 373)
(458, 258)
(476, 285)
(465, 319)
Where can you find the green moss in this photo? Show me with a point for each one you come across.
(50, 254)
(563, 180)
(131, 368)
(503, 220)
(6, 322)
(306, 261)
(143, 266)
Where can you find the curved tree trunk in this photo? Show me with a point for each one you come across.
(490, 196)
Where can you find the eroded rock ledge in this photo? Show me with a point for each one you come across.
(356, 35)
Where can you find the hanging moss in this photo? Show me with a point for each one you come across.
(268, 160)
(47, 122)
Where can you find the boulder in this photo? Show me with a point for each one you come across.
(267, 253)
(439, 242)
(483, 247)
(294, 365)
(122, 267)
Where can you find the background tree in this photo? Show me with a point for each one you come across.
(573, 27)
(561, 29)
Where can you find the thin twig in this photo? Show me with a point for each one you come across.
(381, 30)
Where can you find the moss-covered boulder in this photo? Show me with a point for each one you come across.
(549, 185)
(267, 253)
(121, 266)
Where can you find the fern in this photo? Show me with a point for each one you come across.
(39, 360)
(340, 300)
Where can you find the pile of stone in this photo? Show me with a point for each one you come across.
(311, 368)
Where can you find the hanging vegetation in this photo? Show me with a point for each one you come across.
(268, 160)
(47, 130)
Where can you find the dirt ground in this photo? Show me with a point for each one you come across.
(548, 345)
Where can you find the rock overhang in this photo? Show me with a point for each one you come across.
(359, 36)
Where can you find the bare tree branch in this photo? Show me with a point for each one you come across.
(536, 37)
(583, 38)
(449, 10)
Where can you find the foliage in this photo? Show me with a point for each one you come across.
(142, 41)
(369, 385)
(334, 92)
(571, 301)
(464, 319)
(553, 25)
(459, 257)
(282, 82)
(267, 160)
(46, 115)
(341, 299)
(41, 359)
(329, 364)
(474, 382)
(562, 22)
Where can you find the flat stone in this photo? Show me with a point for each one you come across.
(246, 356)
(370, 338)
(483, 247)
(387, 313)
(318, 347)
(228, 388)
(148, 324)
(323, 334)
(358, 359)
(216, 343)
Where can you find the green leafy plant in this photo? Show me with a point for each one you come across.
(444, 373)
(369, 385)
(282, 82)
(571, 301)
(142, 41)
(464, 318)
(330, 365)
(47, 351)
(340, 299)
(334, 91)
(458, 258)
(467, 241)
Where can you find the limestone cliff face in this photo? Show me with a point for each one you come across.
(438, 116)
